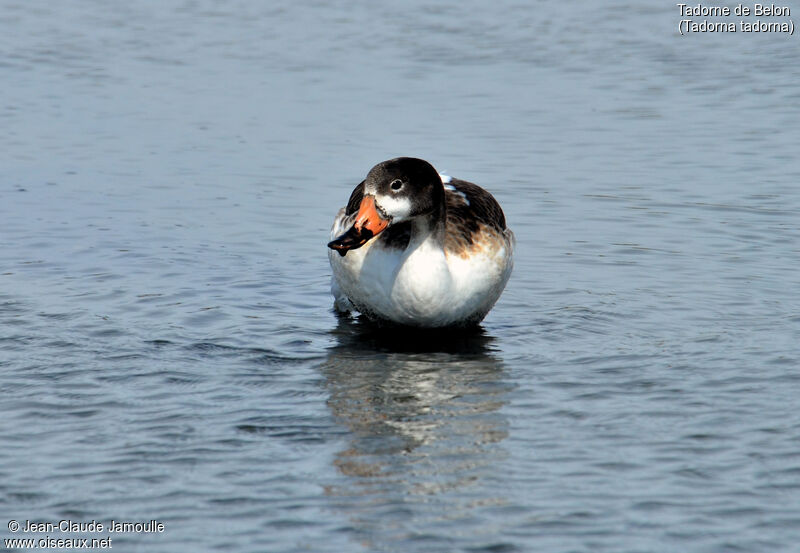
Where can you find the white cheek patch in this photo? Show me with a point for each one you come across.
(398, 208)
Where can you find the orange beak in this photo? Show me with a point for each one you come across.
(368, 224)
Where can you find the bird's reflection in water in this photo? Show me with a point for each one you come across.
(423, 410)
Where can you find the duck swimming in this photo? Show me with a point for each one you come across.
(416, 248)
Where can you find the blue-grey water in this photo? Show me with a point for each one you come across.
(168, 175)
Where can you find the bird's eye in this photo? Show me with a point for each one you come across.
(397, 184)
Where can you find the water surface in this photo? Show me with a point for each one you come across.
(168, 350)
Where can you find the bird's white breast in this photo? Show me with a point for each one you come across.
(421, 285)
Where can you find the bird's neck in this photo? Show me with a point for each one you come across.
(429, 227)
